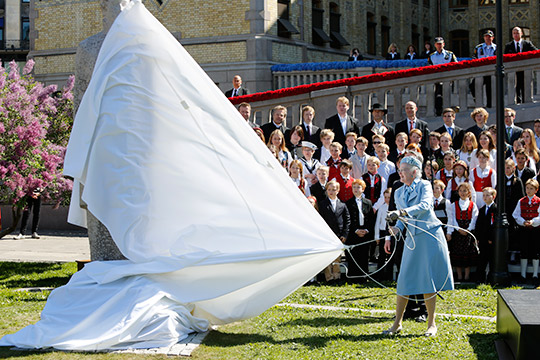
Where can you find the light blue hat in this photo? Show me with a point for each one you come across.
(411, 160)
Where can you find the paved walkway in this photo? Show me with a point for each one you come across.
(51, 247)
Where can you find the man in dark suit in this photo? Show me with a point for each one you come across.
(237, 89)
(484, 231)
(412, 122)
(449, 116)
(518, 45)
(512, 131)
(362, 230)
(377, 126)
(279, 114)
(312, 133)
(342, 123)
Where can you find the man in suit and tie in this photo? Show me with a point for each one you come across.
(237, 89)
(512, 131)
(412, 122)
(342, 123)
(377, 126)
(449, 116)
(312, 133)
(279, 114)
(516, 46)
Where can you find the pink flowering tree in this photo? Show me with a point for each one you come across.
(35, 123)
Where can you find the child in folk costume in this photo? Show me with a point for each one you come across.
(485, 232)
(463, 247)
(295, 173)
(447, 172)
(461, 175)
(440, 204)
(345, 180)
(375, 183)
(362, 223)
(336, 215)
(359, 159)
(335, 159)
(445, 142)
(482, 176)
(527, 215)
(309, 164)
(430, 169)
(319, 188)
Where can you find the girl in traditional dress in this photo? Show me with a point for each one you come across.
(482, 176)
(463, 247)
(461, 175)
(295, 172)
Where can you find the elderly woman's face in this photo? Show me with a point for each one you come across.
(406, 174)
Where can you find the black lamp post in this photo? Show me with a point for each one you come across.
(499, 273)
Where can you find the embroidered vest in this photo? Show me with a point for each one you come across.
(481, 183)
(373, 191)
(529, 212)
(464, 215)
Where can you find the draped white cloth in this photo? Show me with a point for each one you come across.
(190, 195)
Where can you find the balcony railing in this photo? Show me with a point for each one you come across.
(15, 45)
(413, 84)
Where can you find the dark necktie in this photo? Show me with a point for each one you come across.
(517, 47)
(436, 202)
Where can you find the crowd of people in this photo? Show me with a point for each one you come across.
(350, 174)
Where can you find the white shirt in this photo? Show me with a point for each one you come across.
(360, 213)
(325, 155)
(333, 203)
(492, 159)
(380, 220)
(463, 205)
(343, 121)
(386, 169)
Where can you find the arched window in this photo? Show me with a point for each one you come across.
(459, 43)
(371, 34)
(335, 28)
(427, 36)
(318, 36)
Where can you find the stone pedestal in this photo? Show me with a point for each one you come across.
(102, 246)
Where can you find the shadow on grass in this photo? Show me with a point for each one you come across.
(8, 269)
(218, 339)
(484, 345)
(331, 321)
(53, 281)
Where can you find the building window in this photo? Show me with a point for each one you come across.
(459, 43)
(427, 37)
(285, 28)
(459, 3)
(486, 2)
(385, 35)
(371, 34)
(415, 38)
(318, 36)
(335, 28)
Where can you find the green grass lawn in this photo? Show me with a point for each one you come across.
(285, 332)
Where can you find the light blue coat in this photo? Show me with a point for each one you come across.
(425, 265)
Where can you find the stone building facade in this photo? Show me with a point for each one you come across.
(247, 37)
(14, 30)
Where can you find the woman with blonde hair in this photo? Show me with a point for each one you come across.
(530, 145)
(468, 146)
(392, 52)
(278, 140)
(486, 142)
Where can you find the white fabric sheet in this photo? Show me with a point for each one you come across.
(190, 195)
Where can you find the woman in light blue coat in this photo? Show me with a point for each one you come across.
(425, 265)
